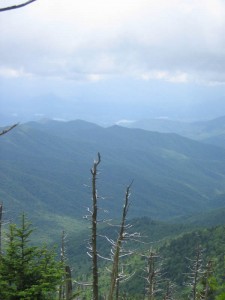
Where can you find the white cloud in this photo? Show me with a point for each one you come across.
(177, 77)
(176, 40)
(124, 122)
(13, 73)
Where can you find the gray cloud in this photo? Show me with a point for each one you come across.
(177, 41)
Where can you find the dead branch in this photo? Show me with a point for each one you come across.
(17, 6)
(4, 131)
(118, 245)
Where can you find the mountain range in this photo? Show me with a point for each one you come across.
(45, 171)
(209, 131)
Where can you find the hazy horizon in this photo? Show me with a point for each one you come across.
(103, 61)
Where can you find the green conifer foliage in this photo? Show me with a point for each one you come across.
(27, 272)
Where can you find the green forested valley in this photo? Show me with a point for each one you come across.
(45, 168)
(167, 243)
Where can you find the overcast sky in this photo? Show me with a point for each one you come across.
(111, 59)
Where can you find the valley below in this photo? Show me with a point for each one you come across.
(177, 192)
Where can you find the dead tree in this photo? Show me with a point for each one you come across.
(117, 247)
(94, 172)
(66, 288)
(195, 273)
(153, 274)
(94, 220)
(207, 273)
(16, 6)
(92, 216)
(169, 291)
(119, 251)
(69, 286)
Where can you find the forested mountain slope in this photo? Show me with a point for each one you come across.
(177, 257)
(175, 245)
(210, 131)
(45, 167)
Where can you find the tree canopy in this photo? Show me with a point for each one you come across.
(27, 272)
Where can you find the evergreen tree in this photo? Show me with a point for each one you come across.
(27, 272)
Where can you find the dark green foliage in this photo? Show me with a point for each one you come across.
(208, 219)
(212, 241)
(27, 272)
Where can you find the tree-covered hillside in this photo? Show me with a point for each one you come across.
(164, 254)
(44, 169)
(209, 131)
(175, 246)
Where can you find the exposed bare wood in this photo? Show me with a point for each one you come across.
(196, 272)
(117, 248)
(94, 253)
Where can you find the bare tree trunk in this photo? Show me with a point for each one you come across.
(115, 267)
(208, 273)
(169, 291)
(66, 287)
(196, 272)
(117, 289)
(94, 253)
(197, 267)
(69, 286)
(153, 274)
(62, 254)
(151, 277)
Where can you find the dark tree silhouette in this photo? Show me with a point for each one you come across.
(4, 131)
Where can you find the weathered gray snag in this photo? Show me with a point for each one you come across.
(69, 286)
(66, 288)
(196, 272)
(153, 274)
(17, 6)
(169, 291)
(94, 253)
(117, 249)
(207, 274)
